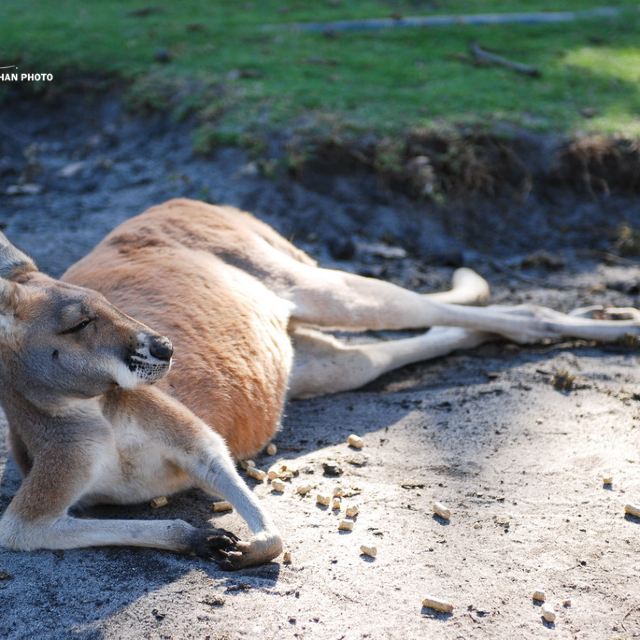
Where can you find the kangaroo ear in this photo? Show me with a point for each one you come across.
(8, 304)
(12, 261)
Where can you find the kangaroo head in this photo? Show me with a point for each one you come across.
(60, 340)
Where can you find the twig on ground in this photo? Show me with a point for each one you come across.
(482, 57)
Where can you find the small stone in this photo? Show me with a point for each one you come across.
(160, 501)
(331, 468)
(72, 169)
(23, 189)
(162, 55)
(271, 449)
(286, 557)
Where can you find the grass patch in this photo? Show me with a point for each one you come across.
(216, 59)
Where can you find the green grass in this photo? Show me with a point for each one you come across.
(240, 76)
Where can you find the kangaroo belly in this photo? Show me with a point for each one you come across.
(133, 467)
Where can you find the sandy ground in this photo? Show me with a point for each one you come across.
(518, 462)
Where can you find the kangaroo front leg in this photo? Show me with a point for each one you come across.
(203, 454)
(37, 516)
(214, 471)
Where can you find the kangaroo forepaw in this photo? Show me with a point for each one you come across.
(213, 543)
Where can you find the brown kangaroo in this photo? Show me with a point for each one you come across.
(98, 414)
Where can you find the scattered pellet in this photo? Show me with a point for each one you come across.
(222, 505)
(336, 503)
(338, 492)
(286, 557)
(372, 552)
(160, 501)
(607, 479)
(282, 470)
(323, 500)
(355, 441)
(246, 464)
(538, 595)
(566, 602)
(352, 511)
(303, 489)
(346, 525)
(632, 510)
(271, 449)
(256, 474)
(437, 604)
(277, 485)
(548, 613)
(440, 510)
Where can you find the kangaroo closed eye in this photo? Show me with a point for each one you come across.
(78, 327)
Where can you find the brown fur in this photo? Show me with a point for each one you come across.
(233, 355)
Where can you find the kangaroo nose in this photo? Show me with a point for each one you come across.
(160, 348)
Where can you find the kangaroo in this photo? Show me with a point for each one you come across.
(100, 410)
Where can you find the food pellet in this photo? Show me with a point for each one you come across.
(632, 510)
(272, 475)
(355, 441)
(256, 474)
(160, 501)
(538, 595)
(246, 464)
(352, 511)
(286, 557)
(548, 613)
(607, 479)
(277, 485)
(338, 492)
(372, 552)
(336, 504)
(566, 602)
(437, 604)
(271, 449)
(323, 500)
(221, 506)
(440, 510)
(304, 489)
(346, 525)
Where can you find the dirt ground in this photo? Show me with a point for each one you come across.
(518, 462)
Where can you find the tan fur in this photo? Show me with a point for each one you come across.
(78, 358)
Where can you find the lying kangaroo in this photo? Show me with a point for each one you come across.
(88, 425)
